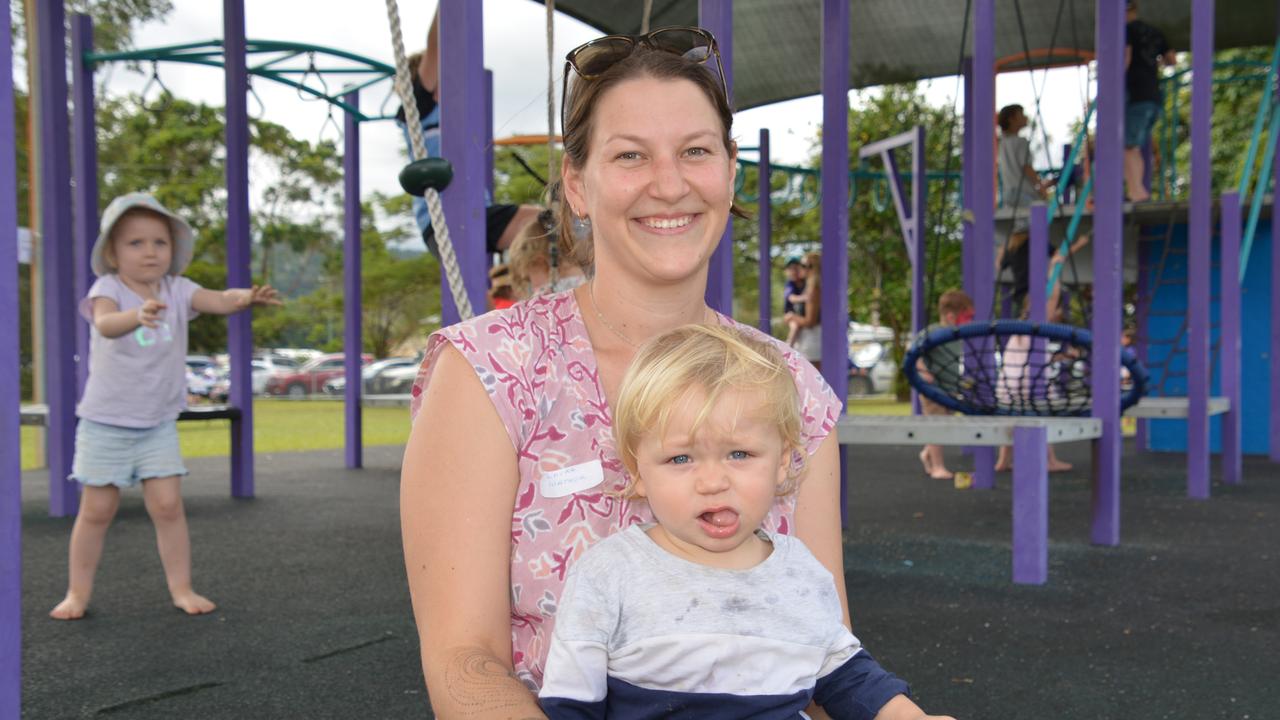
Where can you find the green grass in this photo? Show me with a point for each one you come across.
(285, 426)
(879, 405)
(278, 426)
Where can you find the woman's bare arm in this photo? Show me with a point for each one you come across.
(818, 513)
(457, 491)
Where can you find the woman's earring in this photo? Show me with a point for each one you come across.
(581, 227)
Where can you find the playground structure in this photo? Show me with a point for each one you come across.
(464, 124)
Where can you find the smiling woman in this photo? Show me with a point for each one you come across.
(511, 470)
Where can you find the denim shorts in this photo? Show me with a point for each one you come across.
(122, 456)
(1139, 118)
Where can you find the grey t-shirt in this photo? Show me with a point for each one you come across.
(638, 628)
(139, 379)
(1016, 190)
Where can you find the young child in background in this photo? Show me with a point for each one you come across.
(793, 297)
(704, 614)
(138, 311)
(1021, 372)
(942, 367)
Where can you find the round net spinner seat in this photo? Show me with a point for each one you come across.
(1013, 367)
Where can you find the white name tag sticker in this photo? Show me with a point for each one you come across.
(575, 478)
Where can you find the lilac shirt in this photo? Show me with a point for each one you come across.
(139, 379)
(537, 364)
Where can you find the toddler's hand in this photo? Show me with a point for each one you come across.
(149, 313)
(264, 295)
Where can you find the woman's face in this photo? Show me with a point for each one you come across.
(657, 183)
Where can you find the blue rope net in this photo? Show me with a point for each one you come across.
(1013, 367)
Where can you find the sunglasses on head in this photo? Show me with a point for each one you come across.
(590, 60)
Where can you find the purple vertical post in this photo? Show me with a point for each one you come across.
(353, 326)
(1142, 318)
(919, 231)
(60, 316)
(1229, 349)
(765, 210)
(239, 325)
(1199, 251)
(85, 172)
(462, 133)
(1030, 503)
(1037, 300)
(982, 178)
(1273, 433)
(717, 16)
(835, 195)
(967, 163)
(488, 132)
(835, 211)
(1108, 259)
(10, 466)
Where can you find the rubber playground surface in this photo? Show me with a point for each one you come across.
(1182, 620)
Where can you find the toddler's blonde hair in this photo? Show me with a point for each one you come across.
(711, 359)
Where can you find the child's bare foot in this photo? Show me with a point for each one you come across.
(1056, 465)
(941, 473)
(192, 603)
(1003, 467)
(924, 460)
(71, 608)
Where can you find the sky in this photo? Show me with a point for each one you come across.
(516, 52)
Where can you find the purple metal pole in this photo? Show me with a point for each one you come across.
(1108, 259)
(1030, 502)
(764, 208)
(239, 325)
(1140, 340)
(967, 164)
(835, 211)
(488, 132)
(59, 293)
(1229, 350)
(462, 141)
(85, 173)
(982, 177)
(717, 16)
(1199, 251)
(353, 327)
(835, 195)
(1273, 433)
(1037, 300)
(919, 231)
(10, 466)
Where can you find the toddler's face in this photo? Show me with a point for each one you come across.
(142, 248)
(709, 492)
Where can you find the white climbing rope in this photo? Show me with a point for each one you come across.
(404, 88)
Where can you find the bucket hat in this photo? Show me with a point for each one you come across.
(183, 238)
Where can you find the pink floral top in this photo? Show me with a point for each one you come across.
(537, 363)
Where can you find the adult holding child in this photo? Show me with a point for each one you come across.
(511, 471)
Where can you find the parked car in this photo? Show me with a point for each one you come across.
(201, 363)
(309, 378)
(199, 383)
(871, 366)
(221, 388)
(398, 381)
(371, 375)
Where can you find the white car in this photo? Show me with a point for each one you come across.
(871, 367)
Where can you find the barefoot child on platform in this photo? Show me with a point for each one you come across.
(138, 311)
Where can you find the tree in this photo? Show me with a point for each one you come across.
(879, 270)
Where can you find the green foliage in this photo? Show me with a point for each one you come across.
(515, 184)
(113, 20)
(879, 269)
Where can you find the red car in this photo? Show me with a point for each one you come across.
(311, 377)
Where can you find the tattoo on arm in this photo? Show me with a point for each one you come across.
(477, 683)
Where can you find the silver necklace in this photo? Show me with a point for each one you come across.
(591, 291)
